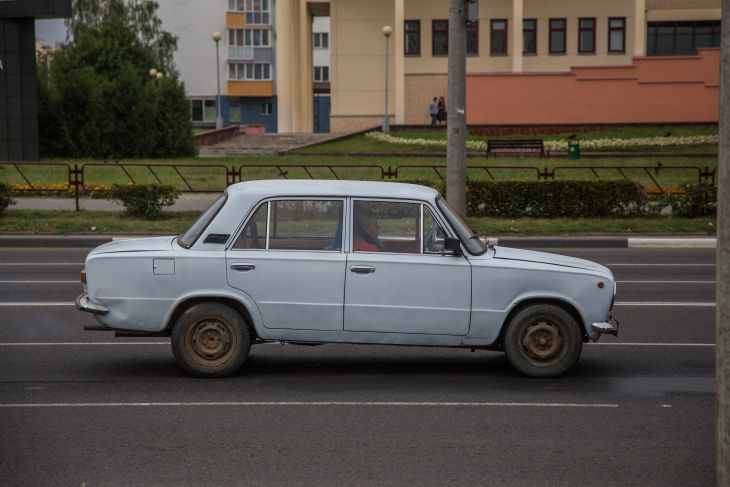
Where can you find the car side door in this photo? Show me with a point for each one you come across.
(399, 282)
(290, 259)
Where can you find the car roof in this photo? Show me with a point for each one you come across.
(321, 187)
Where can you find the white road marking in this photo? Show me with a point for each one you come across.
(665, 282)
(157, 343)
(658, 304)
(33, 304)
(306, 404)
(38, 264)
(79, 344)
(650, 344)
(40, 282)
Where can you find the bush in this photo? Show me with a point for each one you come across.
(5, 199)
(696, 200)
(555, 199)
(146, 201)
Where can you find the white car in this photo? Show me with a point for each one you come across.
(316, 262)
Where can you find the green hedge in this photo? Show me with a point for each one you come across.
(145, 201)
(5, 199)
(696, 200)
(551, 199)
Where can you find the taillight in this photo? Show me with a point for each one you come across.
(82, 277)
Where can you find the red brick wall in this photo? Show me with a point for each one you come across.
(653, 90)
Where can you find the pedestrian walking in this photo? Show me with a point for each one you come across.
(442, 110)
(433, 110)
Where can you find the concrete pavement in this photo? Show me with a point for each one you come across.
(81, 408)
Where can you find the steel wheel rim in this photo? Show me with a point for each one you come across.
(211, 341)
(542, 342)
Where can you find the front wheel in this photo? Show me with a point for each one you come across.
(543, 340)
(210, 340)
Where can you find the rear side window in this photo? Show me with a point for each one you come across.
(294, 225)
(254, 233)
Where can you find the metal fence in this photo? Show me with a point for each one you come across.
(85, 178)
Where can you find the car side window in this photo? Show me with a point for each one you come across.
(434, 236)
(306, 225)
(386, 226)
(254, 233)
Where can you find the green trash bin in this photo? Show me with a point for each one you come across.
(573, 150)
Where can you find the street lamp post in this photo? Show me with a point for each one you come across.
(387, 31)
(219, 113)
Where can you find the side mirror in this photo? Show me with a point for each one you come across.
(453, 246)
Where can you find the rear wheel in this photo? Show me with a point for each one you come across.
(210, 340)
(543, 340)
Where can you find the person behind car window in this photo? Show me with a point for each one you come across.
(366, 231)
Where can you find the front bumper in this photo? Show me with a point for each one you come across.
(609, 327)
(83, 303)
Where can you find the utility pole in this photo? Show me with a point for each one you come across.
(456, 125)
(723, 261)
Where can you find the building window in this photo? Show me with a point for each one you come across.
(249, 37)
(203, 110)
(322, 74)
(321, 40)
(412, 41)
(257, 11)
(587, 36)
(498, 37)
(472, 38)
(529, 36)
(617, 35)
(249, 71)
(681, 38)
(557, 36)
(266, 109)
(440, 37)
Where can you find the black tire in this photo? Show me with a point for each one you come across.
(543, 340)
(210, 340)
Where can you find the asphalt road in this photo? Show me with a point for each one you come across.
(80, 408)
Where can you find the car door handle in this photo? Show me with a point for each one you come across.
(243, 267)
(362, 269)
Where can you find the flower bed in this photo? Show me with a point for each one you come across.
(562, 145)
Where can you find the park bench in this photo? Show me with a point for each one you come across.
(513, 147)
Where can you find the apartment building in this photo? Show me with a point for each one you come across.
(529, 61)
(247, 58)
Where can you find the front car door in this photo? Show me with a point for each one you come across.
(289, 258)
(398, 279)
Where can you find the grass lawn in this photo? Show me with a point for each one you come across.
(88, 222)
(209, 174)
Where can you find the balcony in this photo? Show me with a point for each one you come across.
(240, 53)
(251, 88)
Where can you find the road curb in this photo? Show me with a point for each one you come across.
(89, 241)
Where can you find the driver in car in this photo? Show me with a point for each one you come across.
(366, 231)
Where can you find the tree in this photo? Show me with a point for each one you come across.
(98, 97)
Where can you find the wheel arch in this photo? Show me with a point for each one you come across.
(247, 310)
(526, 302)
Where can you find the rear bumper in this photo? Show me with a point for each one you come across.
(84, 303)
(609, 327)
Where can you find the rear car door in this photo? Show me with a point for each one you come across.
(289, 258)
(398, 278)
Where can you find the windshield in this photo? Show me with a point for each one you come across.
(467, 236)
(188, 238)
